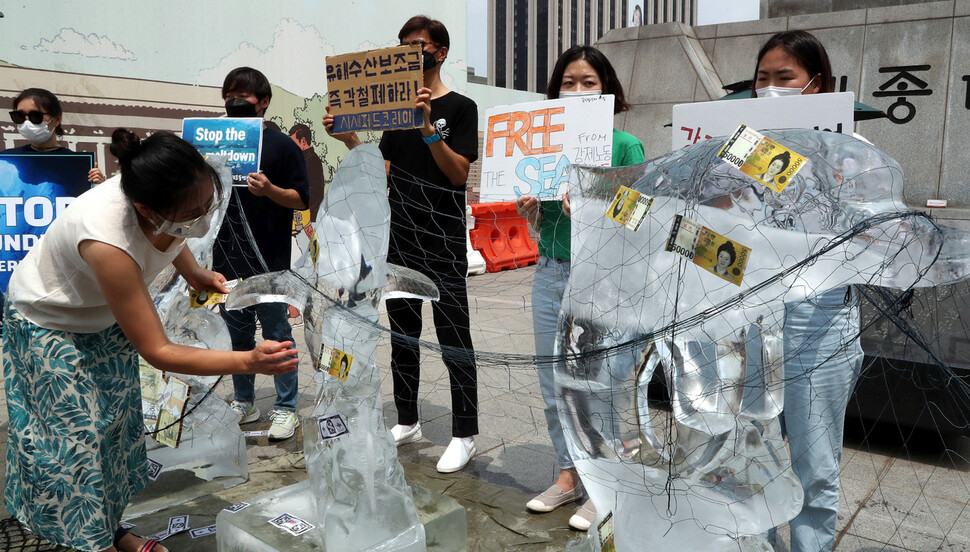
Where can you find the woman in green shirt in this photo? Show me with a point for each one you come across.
(580, 71)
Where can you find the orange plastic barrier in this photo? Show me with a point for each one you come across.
(502, 236)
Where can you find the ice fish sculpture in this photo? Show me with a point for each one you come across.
(362, 500)
(212, 445)
(715, 474)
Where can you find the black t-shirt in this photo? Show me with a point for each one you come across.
(427, 210)
(26, 148)
(282, 162)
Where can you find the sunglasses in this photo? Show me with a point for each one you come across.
(36, 117)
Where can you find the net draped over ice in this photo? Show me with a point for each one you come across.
(212, 445)
(716, 474)
(712, 474)
(362, 499)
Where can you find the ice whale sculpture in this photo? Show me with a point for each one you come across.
(715, 474)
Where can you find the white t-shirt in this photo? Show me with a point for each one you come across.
(55, 288)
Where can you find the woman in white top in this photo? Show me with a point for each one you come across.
(78, 314)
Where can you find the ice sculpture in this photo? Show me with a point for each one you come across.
(714, 477)
(362, 500)
(212, 445)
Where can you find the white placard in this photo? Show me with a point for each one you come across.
(696, 122)
(529, 146)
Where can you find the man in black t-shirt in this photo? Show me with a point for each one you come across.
(264, 210)
(428, 169)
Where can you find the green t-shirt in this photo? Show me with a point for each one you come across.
(554, 230)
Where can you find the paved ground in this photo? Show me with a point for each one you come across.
(911, 497)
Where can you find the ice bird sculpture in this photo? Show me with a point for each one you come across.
(362, 499)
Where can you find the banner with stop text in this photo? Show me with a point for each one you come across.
(239, 140)
(34, 190)
(529, 146)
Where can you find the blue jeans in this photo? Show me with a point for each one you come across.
(823, 359)
(548, 287)
(242, 330)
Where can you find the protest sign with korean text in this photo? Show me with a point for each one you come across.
(695, 122)
(238, 140)
(529, 146)
(37, 189)
(376, 89)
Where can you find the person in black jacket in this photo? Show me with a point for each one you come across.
(266, 207)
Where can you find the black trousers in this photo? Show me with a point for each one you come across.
(451, 322)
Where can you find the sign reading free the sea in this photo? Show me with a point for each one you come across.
(529, 146)
(239, 140)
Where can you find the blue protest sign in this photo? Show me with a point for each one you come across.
(240, 140)
(34, 190)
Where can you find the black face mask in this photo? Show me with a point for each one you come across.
(428, 61)
(238, 107)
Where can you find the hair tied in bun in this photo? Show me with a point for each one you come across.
(125, 145)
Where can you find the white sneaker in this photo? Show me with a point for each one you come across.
(284, 424)
(247, 412)
(457, 455)
(404, 434)
(583, 517)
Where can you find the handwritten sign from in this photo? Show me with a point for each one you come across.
(239, 140)
(376, 89)
(696, 122)
(529, 146)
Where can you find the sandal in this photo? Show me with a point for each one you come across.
(148, 546)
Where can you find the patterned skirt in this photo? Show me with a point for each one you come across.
(75, 448)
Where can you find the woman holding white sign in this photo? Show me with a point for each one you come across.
(78, 315)
(580, 71)
(823, 356)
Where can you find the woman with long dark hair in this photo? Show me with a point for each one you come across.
(579, 71)
(823, 357)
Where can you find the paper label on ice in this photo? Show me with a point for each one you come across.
(332, 426)
(291, 524)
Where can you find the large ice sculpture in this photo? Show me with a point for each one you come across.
(714, 476)
(212, 445)
(362, 499)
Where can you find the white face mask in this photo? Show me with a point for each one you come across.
(574, 93)
(777, 91)
(35, 133)
(195, 228)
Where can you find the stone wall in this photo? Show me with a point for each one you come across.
(785, 8)
(913, 62)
